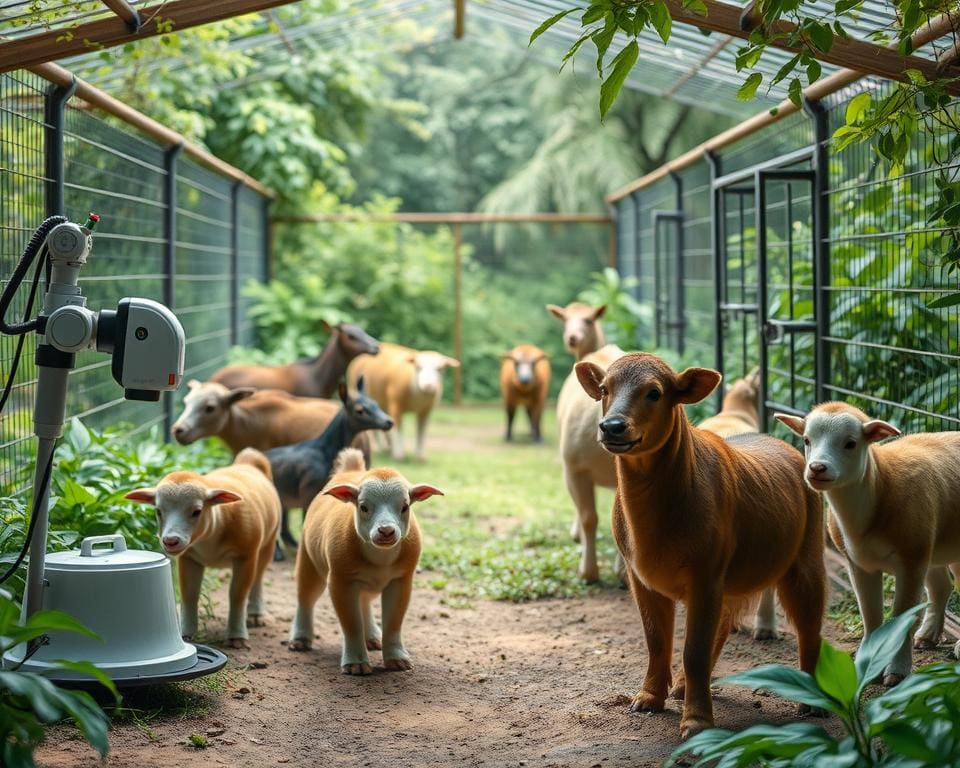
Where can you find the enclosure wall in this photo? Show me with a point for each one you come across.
(818, 266)
(171, 230)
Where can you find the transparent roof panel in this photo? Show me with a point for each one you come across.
(23, 18)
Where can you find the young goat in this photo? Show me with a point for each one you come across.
(254, 418)
(225, 518)
(361, 538)
(703, 520)
(525, 380)
(300, 471)
(311, 377)
(739, 416)
(893, 509)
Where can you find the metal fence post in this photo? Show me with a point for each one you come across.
(717, 249)
(681, 319)
(170, 159)
(54, 114)
(458, 312)
(235, 263)
(821, 247)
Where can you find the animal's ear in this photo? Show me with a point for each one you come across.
(506, 356)
(599, 311)
(694, 384)
(238, 394)
(542, 356)
(221, 496)
(753, 378)
(591, 377)
(143, 495)
(411, 358)
(343, 492)
(556, 311)
(360, 385)
(342, 392)
(451, 362)
(193, 384)
(795, 424)
(875, 430)
(422, 492)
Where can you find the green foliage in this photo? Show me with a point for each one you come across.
(199, 741)
(28, 701)
(93, 472)
(913, 724)
(626, 319)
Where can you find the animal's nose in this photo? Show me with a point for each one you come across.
(388, 424)
(176, 430)
(573, 340)
(613, 426)
(817, 468)
(171, 542)
(524, 378)
(374, 348)
(386, 531)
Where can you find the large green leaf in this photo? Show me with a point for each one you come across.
(836, 674)
(749, 87)
(620, 68)
(878, 650)
(787, 682)
(550, 22)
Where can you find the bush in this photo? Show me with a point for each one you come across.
(913, 724)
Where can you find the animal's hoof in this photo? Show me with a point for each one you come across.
(805, 710)
(398, 665)
(589, 575)
(356, 669)
(575, 532)
(278, 554)
(691, 726)
(300, 644)
(891, 679)
(374, 644)
(679, 691)
(925, 643)
(646, 702)
(256, 620)
(763, 634)
(239, 643)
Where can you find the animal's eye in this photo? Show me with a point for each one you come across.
(210, 408)
(363, 508)
(404, 509)
(653, 395)
(603, 391)
(196, 512)
(850, 445)
(806, 441)
(588, 321)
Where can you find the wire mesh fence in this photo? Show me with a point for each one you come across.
(844, 314)
(189, 244)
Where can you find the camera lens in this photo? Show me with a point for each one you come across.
(140, 333)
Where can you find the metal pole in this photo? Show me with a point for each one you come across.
(268, 224)
(170, 162)
(760, 218)
(821, 247)
(458, 312)
(235, 263)
(613, 244)
(719, 273)
(681, 320)
(54, 114)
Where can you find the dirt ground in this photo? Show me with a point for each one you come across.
(496, 684)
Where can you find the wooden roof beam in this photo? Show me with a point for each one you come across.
(159, 19)
(459, 18)
(126, 12)
(849, 53)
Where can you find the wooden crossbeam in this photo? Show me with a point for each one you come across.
(125, 11)
(459, 18)
(158, 19)
(846, 52)
(449, 218)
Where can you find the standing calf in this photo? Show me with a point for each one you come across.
(361, 538)
(401, 379)
(894, 508)
(703, 520)
(225, 518)
(525, 380)
(300, 471)
(739, 415)
(312, 377)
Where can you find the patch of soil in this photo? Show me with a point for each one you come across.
(494, 684)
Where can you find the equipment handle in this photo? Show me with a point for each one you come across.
(119, 544)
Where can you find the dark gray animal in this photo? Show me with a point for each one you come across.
(301, 470)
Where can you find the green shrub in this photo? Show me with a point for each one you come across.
(913, 724)
(28, 701)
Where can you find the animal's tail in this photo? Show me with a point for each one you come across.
(349, 460)
(254, 458)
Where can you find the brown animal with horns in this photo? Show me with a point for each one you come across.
(702, 520)
(524, 381)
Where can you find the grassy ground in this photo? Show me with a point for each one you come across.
(502, 529)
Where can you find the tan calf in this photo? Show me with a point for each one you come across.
(362, 540)
(403, 380)
(525, 381)
(702, 520)
(893, 509)
(739, 415)
(227, 518)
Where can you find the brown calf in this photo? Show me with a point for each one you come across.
(525, 380)
(702, 520)
(312, 377)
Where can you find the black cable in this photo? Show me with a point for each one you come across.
(20, 271)
(15, 365)
(37, 495)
